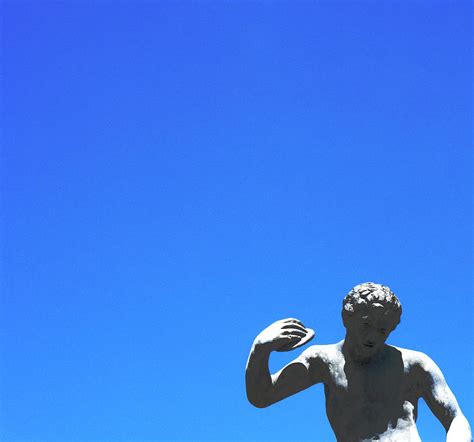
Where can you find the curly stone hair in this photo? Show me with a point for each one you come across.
(369, 293)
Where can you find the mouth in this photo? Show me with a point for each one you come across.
(369, 345)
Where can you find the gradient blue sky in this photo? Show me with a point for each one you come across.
(177, 175)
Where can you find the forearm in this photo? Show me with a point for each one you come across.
(257, 376)
(459, 430)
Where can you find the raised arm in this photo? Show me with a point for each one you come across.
(264, 389)
(443, 404)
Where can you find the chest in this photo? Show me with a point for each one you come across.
(367, 400)
(377, 385)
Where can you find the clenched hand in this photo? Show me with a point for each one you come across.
(284, 335)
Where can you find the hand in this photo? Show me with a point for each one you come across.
(282, 335)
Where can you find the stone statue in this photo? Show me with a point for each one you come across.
(371, 388)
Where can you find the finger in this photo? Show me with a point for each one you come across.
(286, 338)
(294, 332)
(293, 320)
(293, 338)
(295, 326)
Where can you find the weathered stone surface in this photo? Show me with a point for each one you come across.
(372, 389)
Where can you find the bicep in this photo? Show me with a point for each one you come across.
(437, 394)
(295, 377)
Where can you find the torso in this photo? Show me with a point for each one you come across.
(372, 401)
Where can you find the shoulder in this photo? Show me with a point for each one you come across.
(420, 362)
(415, 357)
(322, 354)
(319, 360)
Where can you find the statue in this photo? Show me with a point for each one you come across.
(371, 388)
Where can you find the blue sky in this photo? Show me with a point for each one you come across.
(177, 175)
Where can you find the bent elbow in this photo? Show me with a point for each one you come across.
(258, 395)
(259, 403)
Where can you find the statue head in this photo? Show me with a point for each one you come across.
(370, 312)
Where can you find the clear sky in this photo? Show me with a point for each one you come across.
(178, 175)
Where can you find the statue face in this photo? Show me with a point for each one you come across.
(368, 330)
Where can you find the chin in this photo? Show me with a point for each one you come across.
(369, 351)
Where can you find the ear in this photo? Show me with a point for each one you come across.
(345, 318)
